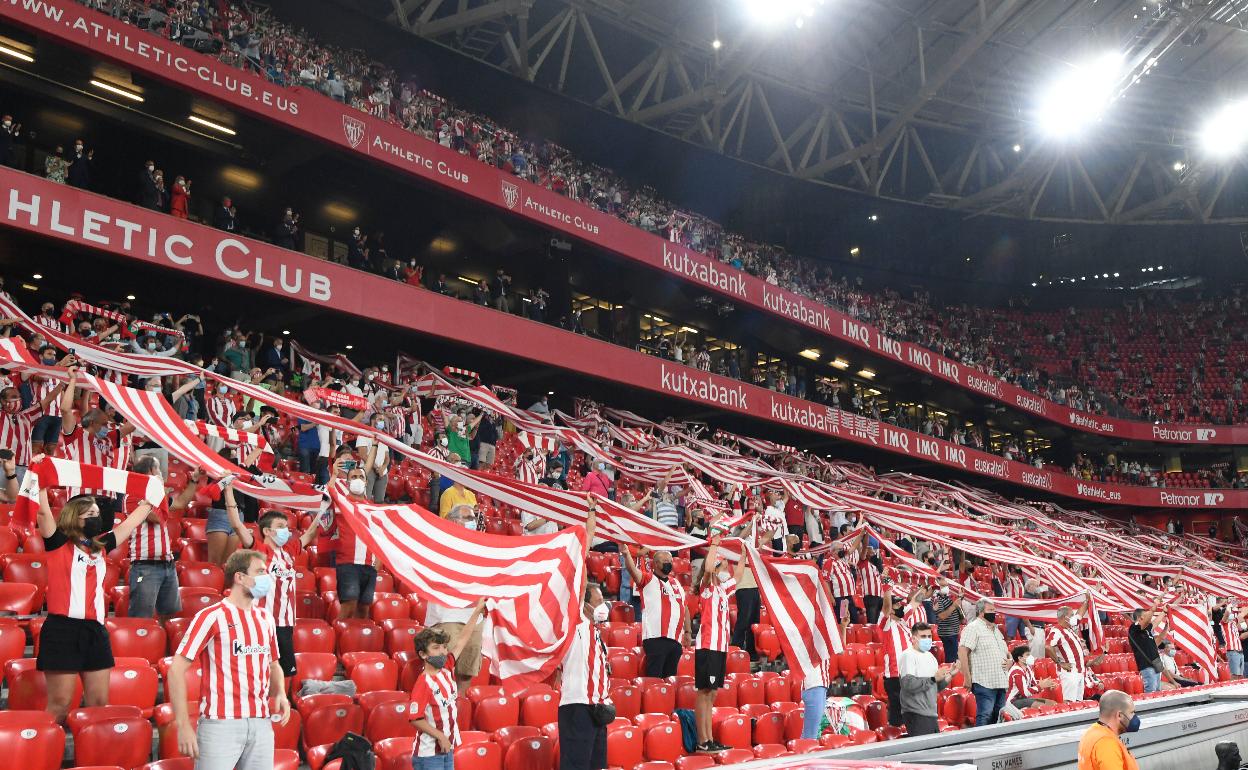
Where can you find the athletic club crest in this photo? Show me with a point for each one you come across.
(511, 194)
(353, 128)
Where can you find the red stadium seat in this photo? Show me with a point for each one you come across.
(28, 689)
(285, 759)
(624, 746)
(733, 732)
(389, 720)
(539, 709)
(176, 763)
(390, 607)
(307, 704)
(137, 637)
(695, 762)
(318, 666)
(493, 713)
(627, 700)
(734, 756)
(663, 743)
(37, 745)
(196, 599)
(803, 745)
(125, 742)
(377, 698)
(286, 736)
(309, 604)
(481, 756)
(326, 725)
(201, 575)
(314, 635)
(658, 698)
(81, 717)
(20, 598)
(396, 754)
(400, 634)
(376, 675)
(625, 664)
(770, 750)
(529, 754)
(359, 636)
(12, 642)
(769, 728)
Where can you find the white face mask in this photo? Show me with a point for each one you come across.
(356, 486)
(470, 524)
(724, 576)
(944, 590)
(1074, 618)
(601, 613)
(1030, 660)
(443, 441)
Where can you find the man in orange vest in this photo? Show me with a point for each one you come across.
(1101, 747)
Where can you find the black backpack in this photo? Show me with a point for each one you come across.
(355, 751)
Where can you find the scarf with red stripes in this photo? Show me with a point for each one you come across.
(51, 472)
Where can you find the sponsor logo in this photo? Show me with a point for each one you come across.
(806, 416)
(704, 271)
(984, 385)
(1030, 403)
(1214, 498)
(249, 649)
(702, 388)
(417, 160)
(797, 310)
(1038, 479)
(1205, 434)
(574, 221)
(1091, 423)
(997, 468)
(1087, 490)
(1170, 498)
(353, 129)
(511, 193)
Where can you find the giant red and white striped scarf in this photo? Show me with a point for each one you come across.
(230, 435)
(55, 472)
(800, 608)
(1192, 632)
(337, 361)
(531, 583)
(76, 306)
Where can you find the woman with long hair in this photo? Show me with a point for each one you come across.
(74, 643)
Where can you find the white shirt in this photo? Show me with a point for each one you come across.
(915, 662)
(548, 528)
(437, 613)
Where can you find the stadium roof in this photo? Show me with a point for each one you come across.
(931, 102)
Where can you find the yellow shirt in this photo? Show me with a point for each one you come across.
(453, 497)
(1100, 749)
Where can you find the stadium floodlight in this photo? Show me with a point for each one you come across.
(118, 90)
(10, 51)
(1080, 97)
(717, 44)
(1226, 133)
(776, 11)
(1018, 148)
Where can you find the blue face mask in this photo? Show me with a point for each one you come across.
(925, 645)
(1134, 724)
(102, 432)
(263, 586)
(281, 536)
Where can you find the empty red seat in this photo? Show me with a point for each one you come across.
(125, 742)
(624, 746)
(195, 599)
(201, 575)
(389, 607)
(734, 756)
(493, 713)
(663, 743)
(695, 762)
(478, 756)
(396, 754)
(137, 638)
(327, 724)
(734, 731)
(389, 720)
(400, 634)
(535, 753)
(37, 745)
(175, 763)
(20, 598)
(376, 675)
(314, 635)
(539, 709)
(359, 635)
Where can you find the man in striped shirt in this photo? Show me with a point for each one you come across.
(710, 661)
(585, 680)
(433, 708)
(153, 579)
(238, 644)
(90, 439)
(895, 622)
(841, 584)
(1012, 588)
(664, 616)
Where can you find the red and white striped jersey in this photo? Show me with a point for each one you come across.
(914, 613)
(76, 581)
(586, 675)
(52, 322)
(221, 410)
(1022, 683)
(1068, 645)
(1013, 587)
(869, 577)
(281, 601)
(125, 449)
(349, 548)
(15, 431)
(434, 700)
(240, 645)
(1230, 633)
(662, 605)
(839, 576)
(896, 641)
(41, 388)
(150, 542)
(91, 449)
(714, 630)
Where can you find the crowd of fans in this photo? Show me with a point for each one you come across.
(257, 552)
(1060, 360)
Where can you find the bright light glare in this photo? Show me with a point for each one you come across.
(1081, 96)
(1226, 133)
(717, 44)
(773, 11)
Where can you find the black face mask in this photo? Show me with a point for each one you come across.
(898, 613)
(92, 527)
(991, 617)
(665, 569)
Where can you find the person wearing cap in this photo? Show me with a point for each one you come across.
(1101, 747)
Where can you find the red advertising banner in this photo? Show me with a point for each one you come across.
(312, 114)
(70, 215)
(338, 398)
